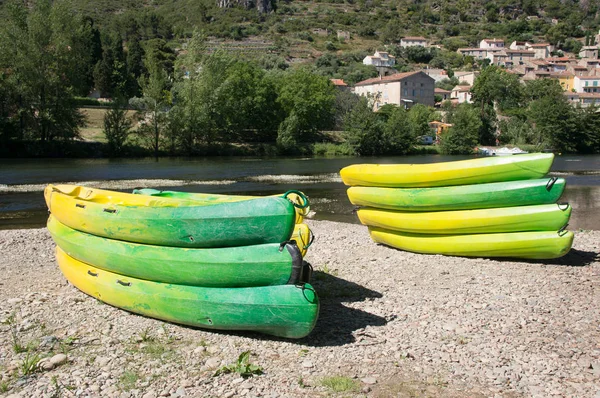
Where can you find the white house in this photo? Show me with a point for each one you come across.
(491, 43)
(437, 74)
(477, 53)
(467, 77)
(412, 41)
(461, 94)
(380, 58)
(586, 84)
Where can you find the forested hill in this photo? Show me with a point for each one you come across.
(370, 22)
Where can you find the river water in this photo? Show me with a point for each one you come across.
(23, 180)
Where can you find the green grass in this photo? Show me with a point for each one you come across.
(242, 366)
(29, 364)
(4, 386)
(128, 379)
(340, 384)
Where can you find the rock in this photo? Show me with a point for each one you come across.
(229, 394)
(247, 386)
(58, 359)
(212, 362)
(149, 394)
(181, 392)
(307, 364)
(369, 380)
(200, 350)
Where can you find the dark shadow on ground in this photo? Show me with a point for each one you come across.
(337, 322)
(574, 258)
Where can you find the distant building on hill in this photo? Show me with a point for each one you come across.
(461, 94)
(492, 44)
(412, 41)
(380, 58)
(402, 89)
(589, 52)
(340, 84)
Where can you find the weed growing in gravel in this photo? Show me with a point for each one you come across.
(302, 352)
(241, 366)
(4, 386)
(340, 384)
(29, 364)
(145, 335)
(11, 321)
(128, 379)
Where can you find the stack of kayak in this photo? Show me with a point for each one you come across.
(212, 261)
(487, 207)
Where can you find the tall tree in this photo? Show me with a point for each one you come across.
(155, 101)
(38, 45)
(461, 138)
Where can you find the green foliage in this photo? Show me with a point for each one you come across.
(242, 366)
(37, 49)
(496, 87)
(340, 384)
(128, 379)
(29, 363)
(117, 127)
(515, 131)
(461, 138)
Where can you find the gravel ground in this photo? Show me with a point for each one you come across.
(392, 323)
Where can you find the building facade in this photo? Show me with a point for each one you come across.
(402, 89)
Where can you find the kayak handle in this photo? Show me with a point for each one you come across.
(551, 183)
(92, 273)
(565, 204)
(563, 230)
(120, 282)
(301, 195)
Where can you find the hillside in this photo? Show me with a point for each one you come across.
(304, 30)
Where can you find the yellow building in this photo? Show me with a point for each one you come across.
(566, 80)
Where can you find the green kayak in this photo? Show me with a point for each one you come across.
(242, 266)
(171, 222)
(461, 197)
(289, 311)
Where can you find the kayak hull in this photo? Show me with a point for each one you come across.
(550, 217)
(461, 197)
(243, 266)
(528, 245)
(464, 172)
(170, 222)
(288, 311)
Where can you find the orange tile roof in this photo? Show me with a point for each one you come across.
(338, 82)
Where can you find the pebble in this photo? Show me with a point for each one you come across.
(476, 327)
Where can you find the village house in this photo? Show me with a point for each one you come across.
(343, 35)
(402, 89)
(437, 74)
(497, 58)
(518, 45)
(578, 70)
(380, 58)
(586, 84)
(412, 41)
(589, 52)
(466, 77)
(518, 56)
(477, 53)
(589, 62)
(444, 94)
(540, 50)
(492, 44)
(565, 79)
(461, 94)
(340, 84)
(584, 100)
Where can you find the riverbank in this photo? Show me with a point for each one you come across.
(392, 323)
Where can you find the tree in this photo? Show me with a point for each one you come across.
(461, 138)
(154, 102)
(38, 47)
(117, 127)
(364, 129)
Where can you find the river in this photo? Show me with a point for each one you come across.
(22, 181)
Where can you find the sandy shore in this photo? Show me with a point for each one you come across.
(392, 323)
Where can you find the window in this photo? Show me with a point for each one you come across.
(413, 92)
(405, 91)
(595, 83)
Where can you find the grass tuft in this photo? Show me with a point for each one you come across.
(340, 384)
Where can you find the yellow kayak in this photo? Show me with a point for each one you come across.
(530, 245)
(550, 217)
(463, 172)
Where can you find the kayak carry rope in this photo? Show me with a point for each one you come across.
(300, 195)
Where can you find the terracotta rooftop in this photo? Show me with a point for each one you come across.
(539, 45)
(387, 79)
(441, 91)
(338, 82)
(520, 52)
(462, 89)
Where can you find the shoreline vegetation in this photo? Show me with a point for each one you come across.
(173, 92)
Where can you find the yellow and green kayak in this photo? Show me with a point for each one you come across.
(241, 266)
(298, 198)
(461, 197)
(463, 172)
(171, 222)
(289, 311)
(530, 245)
(482, 221)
